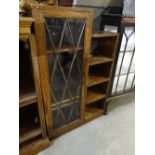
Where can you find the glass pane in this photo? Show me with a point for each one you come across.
(66, 114)
(129, 81)
(65, 41)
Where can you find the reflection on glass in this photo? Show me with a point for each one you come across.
(65, 41)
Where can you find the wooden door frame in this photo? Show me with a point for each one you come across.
(60, 12)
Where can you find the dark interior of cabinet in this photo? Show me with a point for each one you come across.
(25, 66)
(26, 81)
(102, 70)
(103, 46)
(29, 126)
(65, 2)
(93, 111)
(100, 88)
(99, 105)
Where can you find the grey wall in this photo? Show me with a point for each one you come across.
(100, 3)
(97, 11)
(129, 7)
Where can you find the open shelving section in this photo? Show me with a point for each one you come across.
(92, 113)
(99, 70)
(29, 125)
(32, 131)
(94, 96)
(27, 94)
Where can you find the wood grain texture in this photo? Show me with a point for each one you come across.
(92, 113)
(29, 131)
(43, 68)
(24, 28)
(94, 80)
(31, 98)
(94, 96)
(35, 147)
(102, 34)
(36, 76)
(99, 60)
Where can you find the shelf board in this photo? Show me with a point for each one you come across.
(29, 132)
(93, 97)
(102, 34)
(28, 99)
(64, 49)
(99, 60)
(27, 94)
(92, 113)
(94, 80)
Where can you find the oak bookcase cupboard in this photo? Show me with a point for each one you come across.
(65, 71)
(32, 129)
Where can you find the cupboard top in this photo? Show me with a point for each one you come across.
(24, 27)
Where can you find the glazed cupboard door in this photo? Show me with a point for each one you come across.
(63, 41)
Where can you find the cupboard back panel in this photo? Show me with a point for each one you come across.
(26, 81)
(104, 46)
(25, 64)
(101, 70)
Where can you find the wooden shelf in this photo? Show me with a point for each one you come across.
(64, 49)
(27, 94)
(29, 132)
(94, 80)
(93, 97)
(28, 99)
(92, 113)
(99, 60)
(102, 34)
